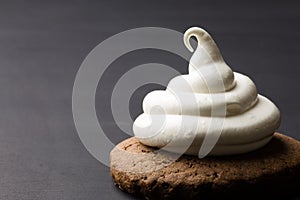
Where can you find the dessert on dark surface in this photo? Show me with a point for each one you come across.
(208, 134)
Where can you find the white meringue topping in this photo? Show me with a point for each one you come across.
(179, 117)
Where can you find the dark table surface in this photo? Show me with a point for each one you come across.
(42, 44)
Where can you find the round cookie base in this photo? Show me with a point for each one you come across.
(270, 171)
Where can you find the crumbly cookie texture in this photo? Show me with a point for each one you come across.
(271, 170)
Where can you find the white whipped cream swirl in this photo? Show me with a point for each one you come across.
(180, 116)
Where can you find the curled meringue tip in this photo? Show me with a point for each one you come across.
(197, 33)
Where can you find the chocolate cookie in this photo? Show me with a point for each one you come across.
(271, 170)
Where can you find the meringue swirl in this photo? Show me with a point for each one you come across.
(180, 116)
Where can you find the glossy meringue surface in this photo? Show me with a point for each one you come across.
(211, 100)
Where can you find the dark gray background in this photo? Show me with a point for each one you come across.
(42, 44)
